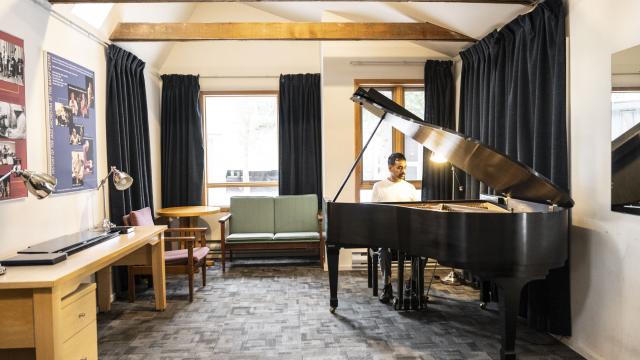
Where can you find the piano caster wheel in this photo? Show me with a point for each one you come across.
(332, 309)
(483, 306)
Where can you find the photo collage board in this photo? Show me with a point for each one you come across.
(13, 121)
(72, 124)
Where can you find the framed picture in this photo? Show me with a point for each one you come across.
(72, 124)
(13, 121)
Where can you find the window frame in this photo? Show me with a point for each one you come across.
(397, 87)
(203, 111)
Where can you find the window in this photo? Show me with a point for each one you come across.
(242, 144)
(625, 111)
(373, 167)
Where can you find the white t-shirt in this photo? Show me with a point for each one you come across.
(389, 191)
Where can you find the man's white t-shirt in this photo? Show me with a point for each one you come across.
(389, 191)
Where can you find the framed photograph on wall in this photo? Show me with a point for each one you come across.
(13, 121)
(71, 124)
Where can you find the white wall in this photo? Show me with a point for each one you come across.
(28, 221)
(605, 246)
(154, 96)
(240, 65)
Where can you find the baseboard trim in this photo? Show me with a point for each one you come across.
(578, 347)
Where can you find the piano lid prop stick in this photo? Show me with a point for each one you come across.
(358, 158)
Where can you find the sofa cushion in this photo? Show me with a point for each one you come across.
(180, 257)
(249, 237)
(296, 213)
(251, 214)
(295, 236)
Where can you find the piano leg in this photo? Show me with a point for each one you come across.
(374, 272)
(421, 301)
(369, 269)
(509, 303)
(333, 257)
(398, 301)
(485, 294)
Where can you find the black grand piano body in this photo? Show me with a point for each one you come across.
(510, 240)
(490, 244)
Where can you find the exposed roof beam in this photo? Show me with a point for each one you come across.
(283, 31)
(521, 2)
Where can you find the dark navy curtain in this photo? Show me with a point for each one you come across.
(127, 132)
(300, 135)
(513, 99)
(181, 141)
(439, 93)
(127, 140)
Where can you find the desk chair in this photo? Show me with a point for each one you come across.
(187, 259)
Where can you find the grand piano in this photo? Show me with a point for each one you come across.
(510, 239)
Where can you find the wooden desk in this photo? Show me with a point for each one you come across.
(48, 308)
(188, 215)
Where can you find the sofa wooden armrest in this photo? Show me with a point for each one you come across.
(223, 232)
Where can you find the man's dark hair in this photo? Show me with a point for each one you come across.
(395, 157)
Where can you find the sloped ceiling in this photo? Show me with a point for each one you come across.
(472, 19)
(152, 53)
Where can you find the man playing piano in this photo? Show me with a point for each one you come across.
(392, 189)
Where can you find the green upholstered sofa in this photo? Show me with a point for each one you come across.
(271, 223)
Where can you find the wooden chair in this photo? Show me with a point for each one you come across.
(188, 259)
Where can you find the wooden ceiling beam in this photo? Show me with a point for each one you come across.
(518, 2)
(284, 31)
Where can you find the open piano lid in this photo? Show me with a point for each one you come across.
(497, 170)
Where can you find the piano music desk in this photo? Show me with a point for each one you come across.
(47, 312)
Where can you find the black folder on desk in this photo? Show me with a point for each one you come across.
(34, 259)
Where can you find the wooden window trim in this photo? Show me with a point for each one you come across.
(397, 86)
(243, 184)
(203, 112)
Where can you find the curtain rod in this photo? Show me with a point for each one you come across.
(65, 20)
(399, 62)
(627, 73)
(240, 76)
(531, 8)
(158, 75)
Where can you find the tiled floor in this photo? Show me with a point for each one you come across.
(282, 312)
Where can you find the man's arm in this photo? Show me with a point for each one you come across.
(376, 195)
(413, 196)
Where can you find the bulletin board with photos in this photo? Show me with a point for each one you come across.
(72, 124)
(13, 122)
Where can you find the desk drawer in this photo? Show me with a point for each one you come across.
(78, 310)
(83, 345)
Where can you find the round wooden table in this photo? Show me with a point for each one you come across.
(188, 215)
